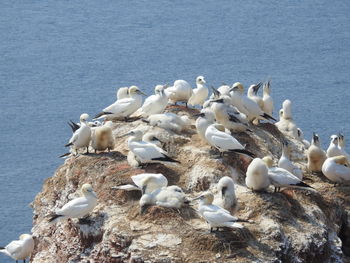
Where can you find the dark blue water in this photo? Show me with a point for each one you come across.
(62, 58)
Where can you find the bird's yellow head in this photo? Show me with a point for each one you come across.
(135, 90)
(238, 86)
(342, 160)
(268, 161)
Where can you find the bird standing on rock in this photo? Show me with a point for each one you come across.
(19, 249)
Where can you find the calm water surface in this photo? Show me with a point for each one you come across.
(62, 58)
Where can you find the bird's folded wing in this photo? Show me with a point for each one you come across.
(343, 172)
(14, 247)
(218, 216)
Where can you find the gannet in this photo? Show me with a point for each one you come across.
(333, 149)
(19, 249)
(337, 169)
(146, 152)
(145, 182)
(246, 105)
(122, 93)
(223, 141)
(226, 197)
(102, 138)
(301, 138)
(228, 115)
(170, 196)
(285, 163)
(257, 175)
(75, 126)
(154, 104)
(280, 177)
(152, 138)
(78, 207)
(169, 121)
(315, 155)
(341, 145)
(205, 118)
(224, 90)
(82, 136)
(216, 216)
(181, 91)
(286, 123)
(252, 93)
(267, 99)
(123, 108)
(200, 93)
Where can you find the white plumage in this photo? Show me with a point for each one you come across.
(154, 104)
(333, 149)
(78, 207)
(226, 197)
(205, 118)
(122, 93)
(123, 108)
(82, 136)
(19, 249)
(216, 216)
(315, 155)
(181, 91)
(285, 163)
(257, 175)
(337, 169)
(267, 99)
(169, 121)
(200, 93)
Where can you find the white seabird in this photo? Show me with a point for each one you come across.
(154, 104)
(280, 177)
(337, 169)
(199, 94)
(146, 152)
(267, 99)
(341, 145)
(228, 115)
(286, 123)
(169, 121)
(257, 178)
(205, 118)
(78, 207)
(315, 155)
(226, 197)
(333, 149)
(19, 249)
(122, 93)
(170, 196)
(181, 91)
(82, 136)
(123, 108)
(216, 216)
(252, 93)
(145, 182)
(285, 163)
(223, 141)
(302, 139)
(246, 105)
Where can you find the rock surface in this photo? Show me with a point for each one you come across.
(291, 226)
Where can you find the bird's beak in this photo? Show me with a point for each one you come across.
(142, 93)
(233, 89)
(143, 209)
(216, 92)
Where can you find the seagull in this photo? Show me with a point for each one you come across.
(301, 138)
(267, 99)
(285, 163)
(78, 207)
(145, 182)
(280, 177)
(216, 216)
(122, 93)
(19, 249)
(169, 121)
(337, 169)
(223, 141)
(146, 152)
(226, 197)
(246, 105)
(123, 108)
(170, 196)
(154, 104)
(181, 91)
(315, 155)
(333, 149)
(257, 177)
(82, 136)
(200, 93)
(228, 115)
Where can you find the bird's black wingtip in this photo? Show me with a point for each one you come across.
(68, 144)
(53, 217)
(268, 117)
(243, 151)
(166, 159)
(302, 184)
(64, 155)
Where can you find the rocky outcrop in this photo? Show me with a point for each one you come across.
(292, 226)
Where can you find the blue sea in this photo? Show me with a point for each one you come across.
(62, 58)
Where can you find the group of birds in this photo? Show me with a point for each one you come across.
(228, 110)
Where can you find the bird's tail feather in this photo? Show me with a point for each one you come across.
(68, 144)
(268, 117)
(64, 155)
(243, 151)
(165, 159)
(235, 225)
(101, 114)
(54, 217)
